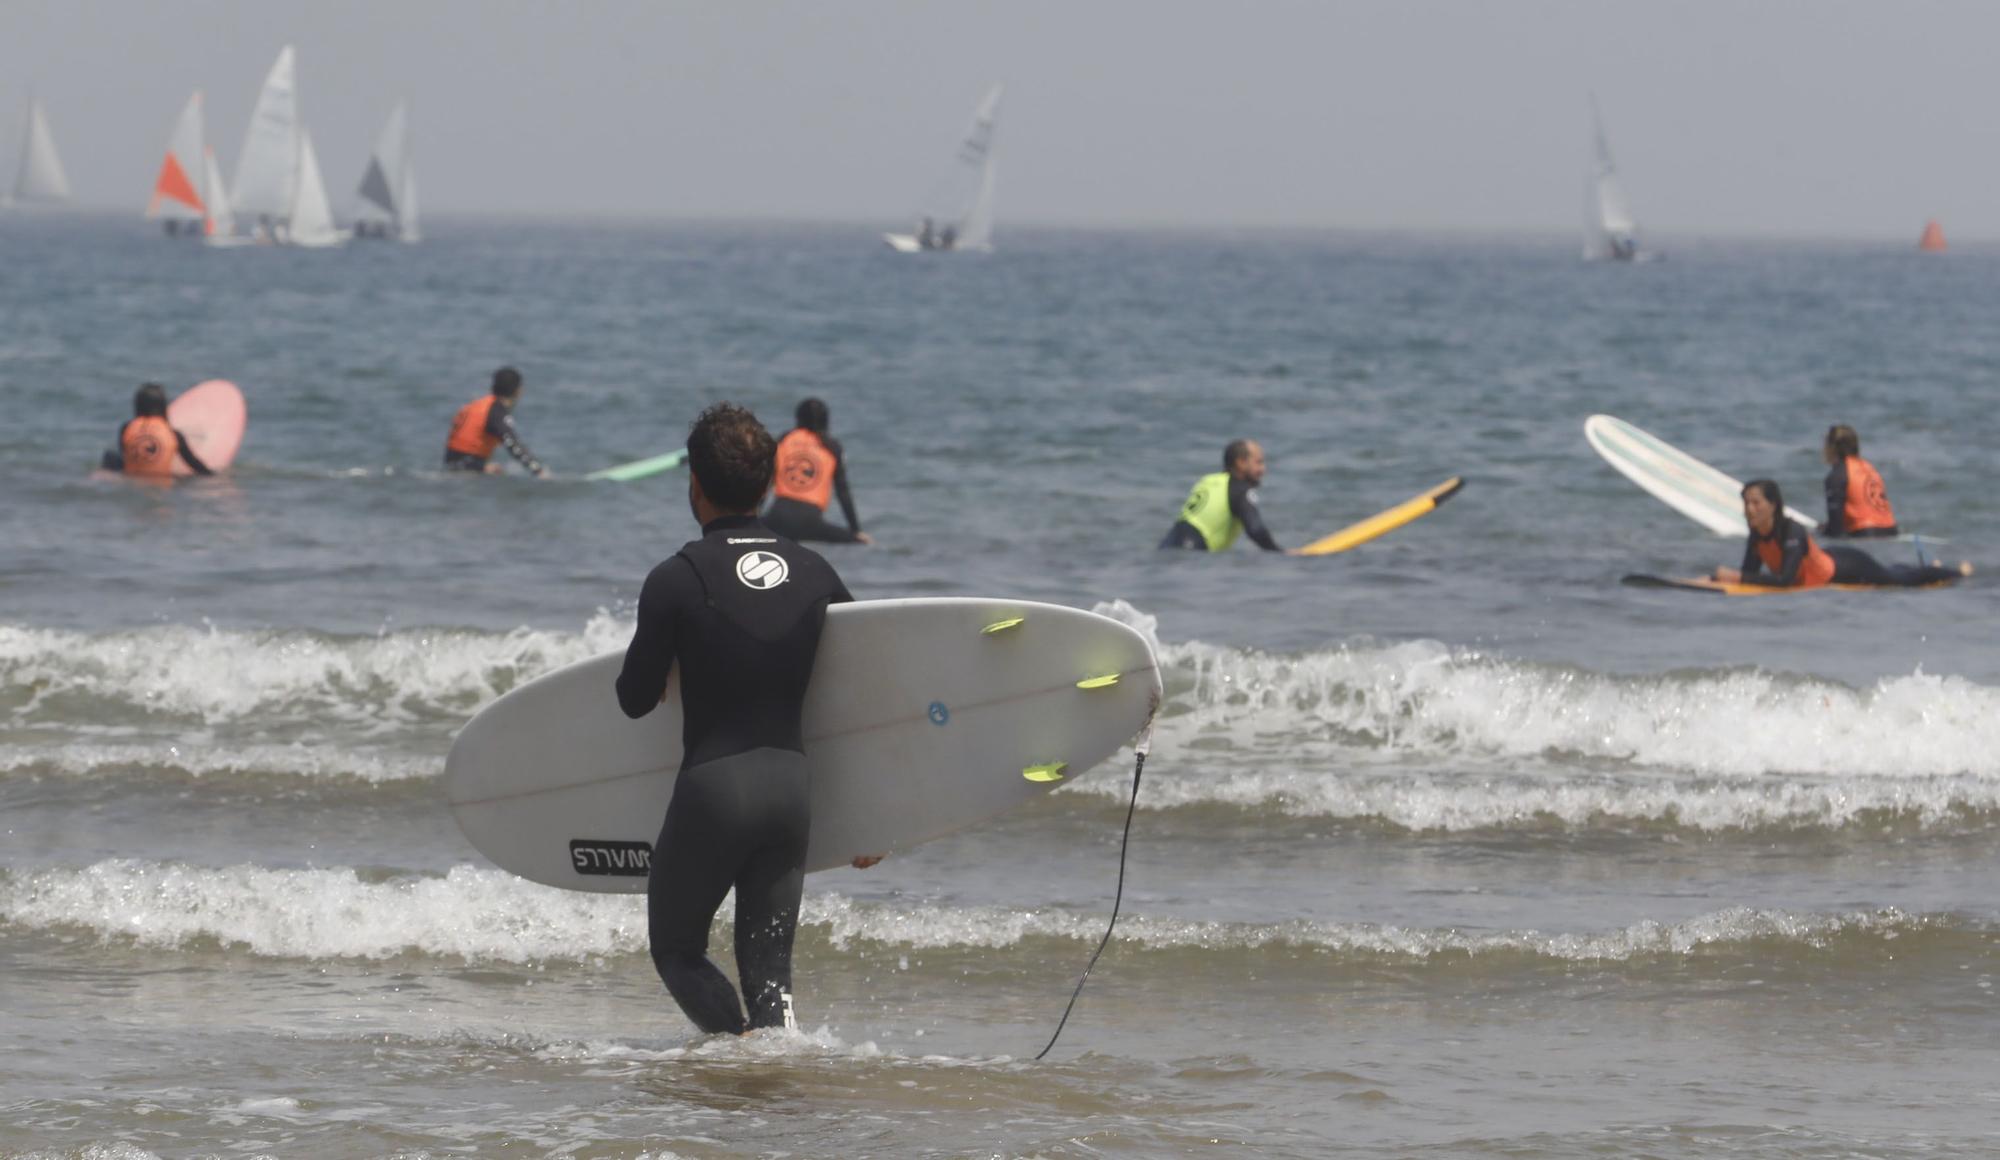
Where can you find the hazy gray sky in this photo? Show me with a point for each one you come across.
(1811, 117)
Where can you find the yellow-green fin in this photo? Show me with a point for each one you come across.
(1103, 682)
(1050, 772)
(1002, 626)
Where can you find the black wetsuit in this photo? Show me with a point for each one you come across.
(1242, 507)
(740, 611)
(1854, 566)
(1836, 509)
(798, 520)
(499, 425)
(1850, 565)
(114, 457)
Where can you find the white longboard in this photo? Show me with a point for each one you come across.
(1675, 478)
(923, 717)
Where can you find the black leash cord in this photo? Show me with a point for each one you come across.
(1138, 767)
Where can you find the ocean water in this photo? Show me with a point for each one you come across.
(1450, 845)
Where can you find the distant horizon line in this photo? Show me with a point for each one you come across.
(1069, 225)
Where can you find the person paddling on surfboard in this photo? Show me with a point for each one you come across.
(1224, 504)
(147, 443)
(740, 612)
(485, 424)
(1857, 504)
(1782, 554)
(811, 471)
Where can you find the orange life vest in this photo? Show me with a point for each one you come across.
(805, 469)
(149, 446)
(1816, 569)
(468, 429)
(1867, 500)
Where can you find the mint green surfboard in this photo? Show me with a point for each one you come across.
(641, 468)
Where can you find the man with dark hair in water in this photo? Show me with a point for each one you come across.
(482, 426)
(1224, 504)
(811, 470)
(147, 443)
(740, 611)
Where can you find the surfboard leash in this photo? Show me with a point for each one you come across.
(1140, 748)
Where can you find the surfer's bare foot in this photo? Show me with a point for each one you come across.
(864, 861)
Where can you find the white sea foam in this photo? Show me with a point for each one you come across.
(481, 915)
(222, 675)
(1416, 734)
(1426, 698)
(194, 759)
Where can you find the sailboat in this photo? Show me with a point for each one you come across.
(1609, 229)
(958, 215)
(177, 192)
(278, 181)
(221, 217)
(1933, 240)
(388, 189)
(41, 177)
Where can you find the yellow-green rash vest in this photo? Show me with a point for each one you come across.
(1207, 512)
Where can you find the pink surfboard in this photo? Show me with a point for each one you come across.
(212, 416)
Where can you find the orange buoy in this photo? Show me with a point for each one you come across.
(1933, 239)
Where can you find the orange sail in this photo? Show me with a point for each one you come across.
(1933, 240)
(177, 191)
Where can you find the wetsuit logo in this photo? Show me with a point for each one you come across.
(606, 857)
(762, 570)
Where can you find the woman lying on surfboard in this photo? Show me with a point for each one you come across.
(1781, 554)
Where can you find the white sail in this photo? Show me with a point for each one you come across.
(41, 177)
(975, 226)
(1611, 230)
(311, 216)
(958, 214)
(267, 171)
(180, 189)
(381, 191)
(407, 230)
(221, 218)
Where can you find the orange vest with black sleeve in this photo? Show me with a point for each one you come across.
(468, 429)
(149, 446)
(805, 469)
(1867, 500)
(1815, 570)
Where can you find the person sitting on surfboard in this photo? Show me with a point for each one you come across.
(147, 443)
(811, 471)
(1782, 554)
(1224, 504)
(739, 611)
(1857, 504)
(486, 423)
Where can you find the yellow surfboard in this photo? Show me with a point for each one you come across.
(1708, 584)
(1382, 524)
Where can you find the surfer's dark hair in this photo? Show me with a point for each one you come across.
(811, 414)
(150, 399)
(1768, 488)
(1842, 440)
(732, 455)
(1237, 449)
(506, 382)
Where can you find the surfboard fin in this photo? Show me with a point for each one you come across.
(1002, 625)
(1053, 771)
(1103, 682)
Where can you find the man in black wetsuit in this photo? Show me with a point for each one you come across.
(1224, 504)
(740, 611)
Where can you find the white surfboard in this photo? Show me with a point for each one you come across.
(1675, 478)
(923, 717)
